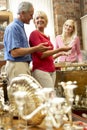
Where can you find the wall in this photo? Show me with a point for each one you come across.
(3, 3)
(85, 7)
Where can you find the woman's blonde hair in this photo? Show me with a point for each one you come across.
(74, 32)
(43, 14)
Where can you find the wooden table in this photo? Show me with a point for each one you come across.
(41, 127)
(12, 124)
(67, 64)
(15, 124)
(75, 118)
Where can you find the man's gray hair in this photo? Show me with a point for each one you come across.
(24, 6)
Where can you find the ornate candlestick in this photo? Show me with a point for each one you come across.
(68, 90)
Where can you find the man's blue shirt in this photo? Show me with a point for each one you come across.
(15, 37)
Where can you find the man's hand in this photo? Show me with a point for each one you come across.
(43, 47)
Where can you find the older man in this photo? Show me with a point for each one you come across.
(17, 50)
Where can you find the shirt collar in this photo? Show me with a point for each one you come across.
(19, 22)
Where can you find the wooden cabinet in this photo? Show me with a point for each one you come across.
(78, 75)
(5, 18)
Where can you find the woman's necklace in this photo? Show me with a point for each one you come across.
(67, 40)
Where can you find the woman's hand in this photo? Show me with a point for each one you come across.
(66, 48)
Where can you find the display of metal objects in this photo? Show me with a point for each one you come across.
(42, 103)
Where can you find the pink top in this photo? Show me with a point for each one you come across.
(75, 52)
(45, 64)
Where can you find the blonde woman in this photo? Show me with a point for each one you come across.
(43, 62)
(69, 38)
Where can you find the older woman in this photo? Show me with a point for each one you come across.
(69, 38)
(43, 62)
